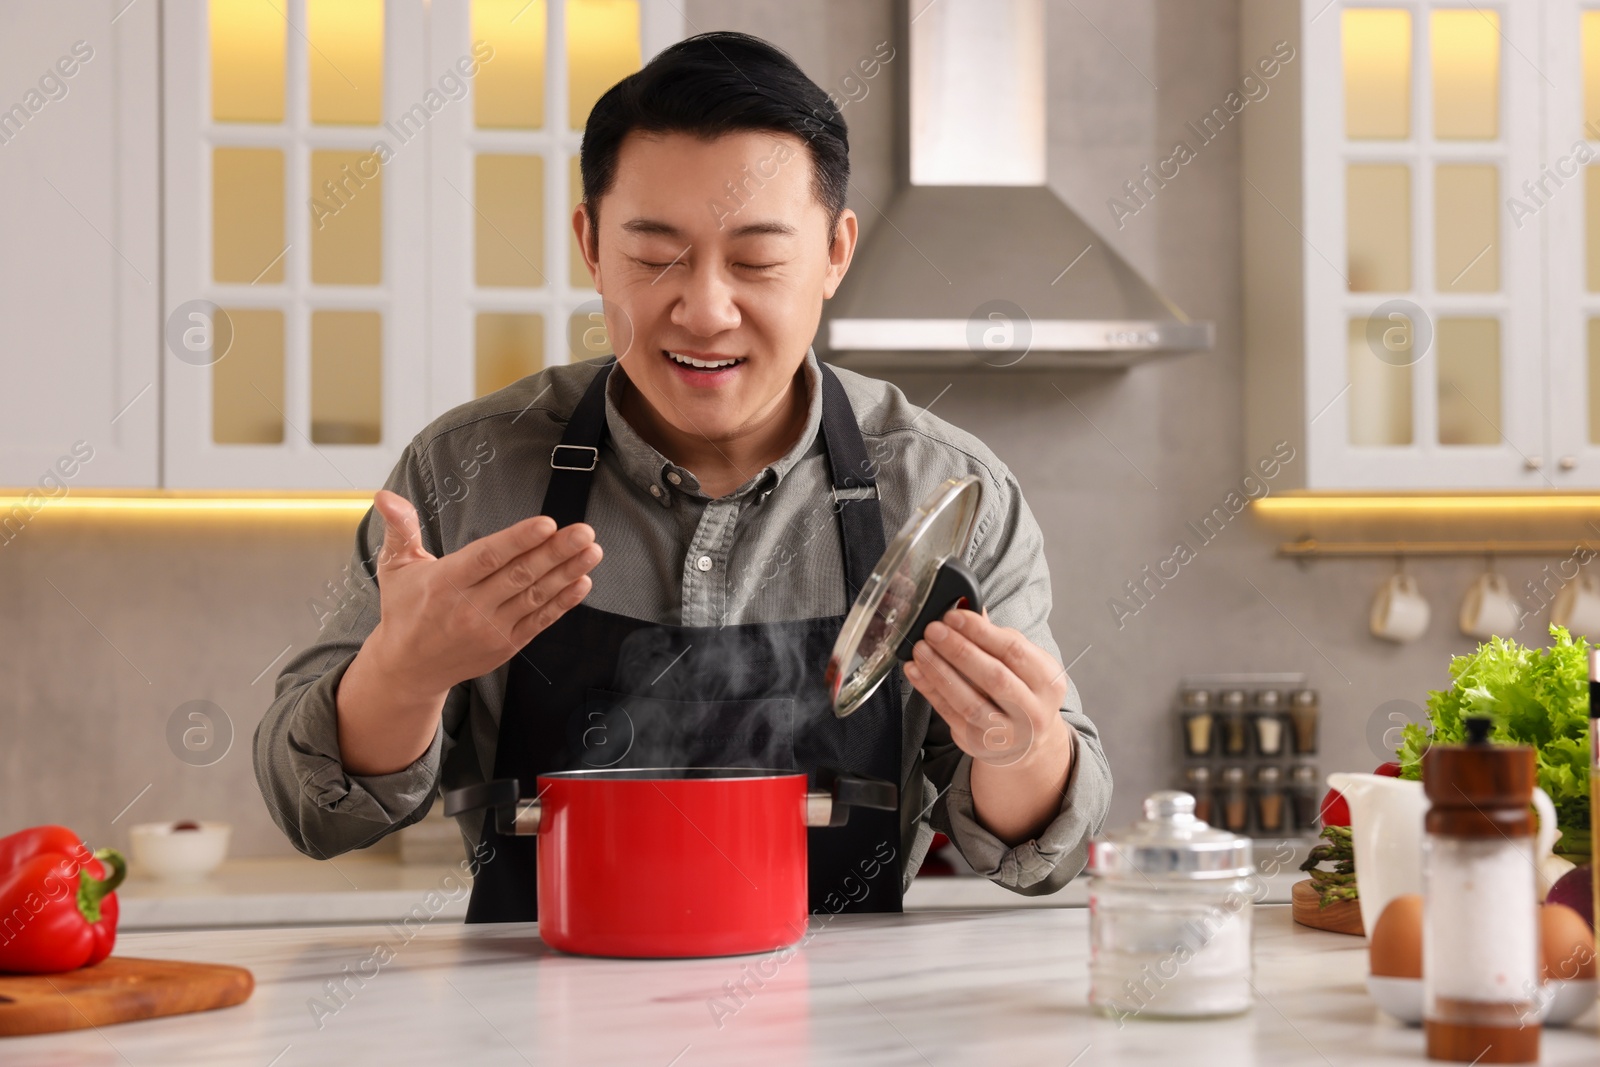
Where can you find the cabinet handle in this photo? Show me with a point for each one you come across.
(1568, 462)
(1533, 463)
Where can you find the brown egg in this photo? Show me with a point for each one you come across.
(1566, 944)
(1396, 946)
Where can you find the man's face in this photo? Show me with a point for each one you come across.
(716, 251)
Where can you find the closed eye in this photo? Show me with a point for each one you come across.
(742, 266)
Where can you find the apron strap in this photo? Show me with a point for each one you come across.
(855, 489)
(573, 461)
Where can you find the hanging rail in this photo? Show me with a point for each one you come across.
(1311, 548)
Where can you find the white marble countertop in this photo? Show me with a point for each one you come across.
(929, 988)
(290, 891)
(300, 891)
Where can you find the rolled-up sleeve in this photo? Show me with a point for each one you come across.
(1046, 863)
(1008, 558)
(322, 809)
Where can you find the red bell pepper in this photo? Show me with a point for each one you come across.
(57, 908)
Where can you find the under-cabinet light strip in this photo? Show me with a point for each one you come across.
(12, 501)
(1530, 503)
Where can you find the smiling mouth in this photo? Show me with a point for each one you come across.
(702, 364)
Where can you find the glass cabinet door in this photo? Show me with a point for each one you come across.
(1425, 331)
(367, 208)
(508, 276)
(295, 213)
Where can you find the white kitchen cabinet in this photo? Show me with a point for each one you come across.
(79, 241)
(1568, 207)
(283, 212)
(1407, 326)
(374, 193)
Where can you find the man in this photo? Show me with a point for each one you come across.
(644, 557)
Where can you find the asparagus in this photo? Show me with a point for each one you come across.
(1340, 882)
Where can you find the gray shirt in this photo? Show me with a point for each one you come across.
(768, 551)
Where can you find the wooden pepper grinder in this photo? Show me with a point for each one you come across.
(1480, 937)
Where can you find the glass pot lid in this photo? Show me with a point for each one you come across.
(930, 545)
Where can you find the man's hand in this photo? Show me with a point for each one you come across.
(1001, 695)
(447, 619)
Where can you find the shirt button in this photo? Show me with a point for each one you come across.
(704, 563)
(655, 490)
(672, 476)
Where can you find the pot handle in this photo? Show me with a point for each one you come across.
(846, 791)
(513, 816)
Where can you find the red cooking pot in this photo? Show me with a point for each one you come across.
(672, 862)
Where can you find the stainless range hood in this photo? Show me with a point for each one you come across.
(976, 262)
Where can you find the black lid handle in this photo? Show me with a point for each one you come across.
(954, 586)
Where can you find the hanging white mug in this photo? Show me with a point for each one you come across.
(1399, 611)
(1577, 606)
(1489, 608)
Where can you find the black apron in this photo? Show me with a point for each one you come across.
(599, 690)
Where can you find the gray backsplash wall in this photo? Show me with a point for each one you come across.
(114, 623)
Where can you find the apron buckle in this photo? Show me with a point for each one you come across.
(577, 461)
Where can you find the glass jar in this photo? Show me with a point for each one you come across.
(1303, 714)
(1305, 797)
(1169, 916)
(1199, 722)
(1271, 813)
(1231, 719)
(1266, 723)
(1197, 783)
(1233, 800)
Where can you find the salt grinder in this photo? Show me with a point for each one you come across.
(1480, 937)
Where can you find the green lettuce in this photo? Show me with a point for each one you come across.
(1536, 697)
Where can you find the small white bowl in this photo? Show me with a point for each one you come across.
(1566, 1000)
(1560, 1002)
(179, 855)
(1399, 997)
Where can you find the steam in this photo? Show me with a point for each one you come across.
(734, 696)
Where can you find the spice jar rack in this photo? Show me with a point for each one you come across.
(1248, 745)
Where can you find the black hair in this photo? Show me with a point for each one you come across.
(713, 84)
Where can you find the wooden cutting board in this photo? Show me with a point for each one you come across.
(116, 990)
(1340, 917)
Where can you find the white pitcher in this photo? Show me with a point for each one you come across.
(1386, 831)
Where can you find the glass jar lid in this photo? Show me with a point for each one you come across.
(1170, 844)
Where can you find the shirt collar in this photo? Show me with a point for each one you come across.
(654, 473)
